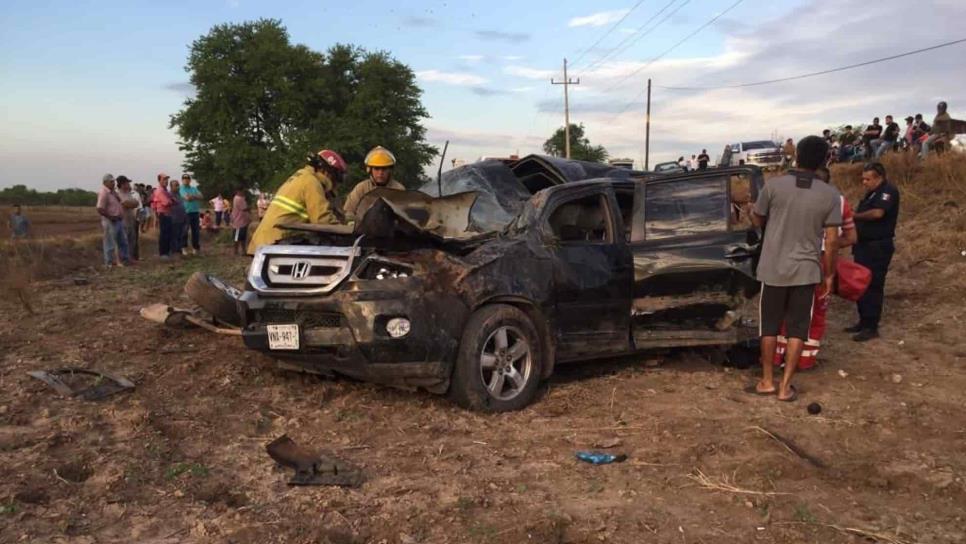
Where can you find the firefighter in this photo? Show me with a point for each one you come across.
(379, 164)
(303, 198)
(875, 219)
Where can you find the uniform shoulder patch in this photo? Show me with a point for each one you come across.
(886, 196)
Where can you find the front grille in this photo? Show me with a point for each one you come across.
(307, 319)
(300, 270)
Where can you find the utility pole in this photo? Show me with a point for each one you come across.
(566, 83)
(647, 130)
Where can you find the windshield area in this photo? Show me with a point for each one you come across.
(761, 144)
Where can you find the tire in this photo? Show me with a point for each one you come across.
(215, 297)
(488, 377)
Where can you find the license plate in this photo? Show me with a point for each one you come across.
(282, 337)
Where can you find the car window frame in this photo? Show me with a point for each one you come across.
(603, 195)
(639, 230)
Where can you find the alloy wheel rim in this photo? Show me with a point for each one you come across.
(506, 362)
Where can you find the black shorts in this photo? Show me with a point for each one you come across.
(241, 235)
(789, 305)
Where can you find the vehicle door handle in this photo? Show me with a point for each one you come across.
(738, 253)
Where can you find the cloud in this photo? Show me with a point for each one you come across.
(498, 36)
(416, 21)
(483, 142)
(451, 78)
(182, 87)
(512, 58)
(683, 122)
(488, 91)
(521, 89)
(471, 58)
(527, 72)
(600, 18)
(625, 30)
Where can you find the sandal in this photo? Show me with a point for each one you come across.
(753, 390)
(791, 398)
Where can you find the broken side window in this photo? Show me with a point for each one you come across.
(625, 203)
(740, 191)
(581, 220)
(686, 207)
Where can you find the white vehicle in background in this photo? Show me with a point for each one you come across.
(764, 154)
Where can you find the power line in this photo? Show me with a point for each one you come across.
(675, 46)
(820, 73)
(607, 33)
(634, 36)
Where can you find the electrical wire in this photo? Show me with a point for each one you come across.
(607, 33)
(636, 36)
(675, 46)
(820, 73)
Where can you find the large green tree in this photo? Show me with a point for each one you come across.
(580, 148)
(262, 104)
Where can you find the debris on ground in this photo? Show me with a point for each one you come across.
(608, 443)
(313, 468)
(181, 318)
(70, 382)
(815, 408)
(596, 458)
(791, 447)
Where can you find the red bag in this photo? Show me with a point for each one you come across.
(851, 279)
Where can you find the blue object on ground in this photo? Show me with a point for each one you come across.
(600, 458)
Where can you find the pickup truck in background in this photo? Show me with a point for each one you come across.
(764, 154)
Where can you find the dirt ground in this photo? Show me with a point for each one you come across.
(182, 457)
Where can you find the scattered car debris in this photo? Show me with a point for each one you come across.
(313, 468)
(181, 318)
(595, 458)
(608, 443)
(65, 381)
(791, 447)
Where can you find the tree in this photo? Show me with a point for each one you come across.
(580, 148)
(262, 104)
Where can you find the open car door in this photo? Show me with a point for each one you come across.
(592, 272)
(694, 257)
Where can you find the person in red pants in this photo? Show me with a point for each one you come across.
(816, 330)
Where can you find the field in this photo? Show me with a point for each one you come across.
(182, 457)
(55, 221)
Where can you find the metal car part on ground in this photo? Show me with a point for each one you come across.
(585, 270)
(313, 468)
(103, 384)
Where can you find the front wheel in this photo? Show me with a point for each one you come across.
(499, 363)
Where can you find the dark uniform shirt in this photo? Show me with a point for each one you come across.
(884, 197)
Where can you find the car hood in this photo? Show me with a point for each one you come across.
(393, 215)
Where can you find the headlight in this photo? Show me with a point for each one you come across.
(385, 270)
(398, 327)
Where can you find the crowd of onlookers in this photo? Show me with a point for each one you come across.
(177, 211)
(876, 139)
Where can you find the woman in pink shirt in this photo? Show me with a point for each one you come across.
(161, 204)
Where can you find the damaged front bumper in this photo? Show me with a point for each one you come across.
(346, 332)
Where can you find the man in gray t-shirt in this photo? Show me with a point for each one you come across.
(794, 210)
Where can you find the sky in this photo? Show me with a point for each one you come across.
(89, 86)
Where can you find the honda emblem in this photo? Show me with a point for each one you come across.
(300, 270)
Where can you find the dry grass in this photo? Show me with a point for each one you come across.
(726, 485)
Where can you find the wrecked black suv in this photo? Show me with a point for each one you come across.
(417, 295)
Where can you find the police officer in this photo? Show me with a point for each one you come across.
(379, 165)
(303, 198)
(875, 220)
